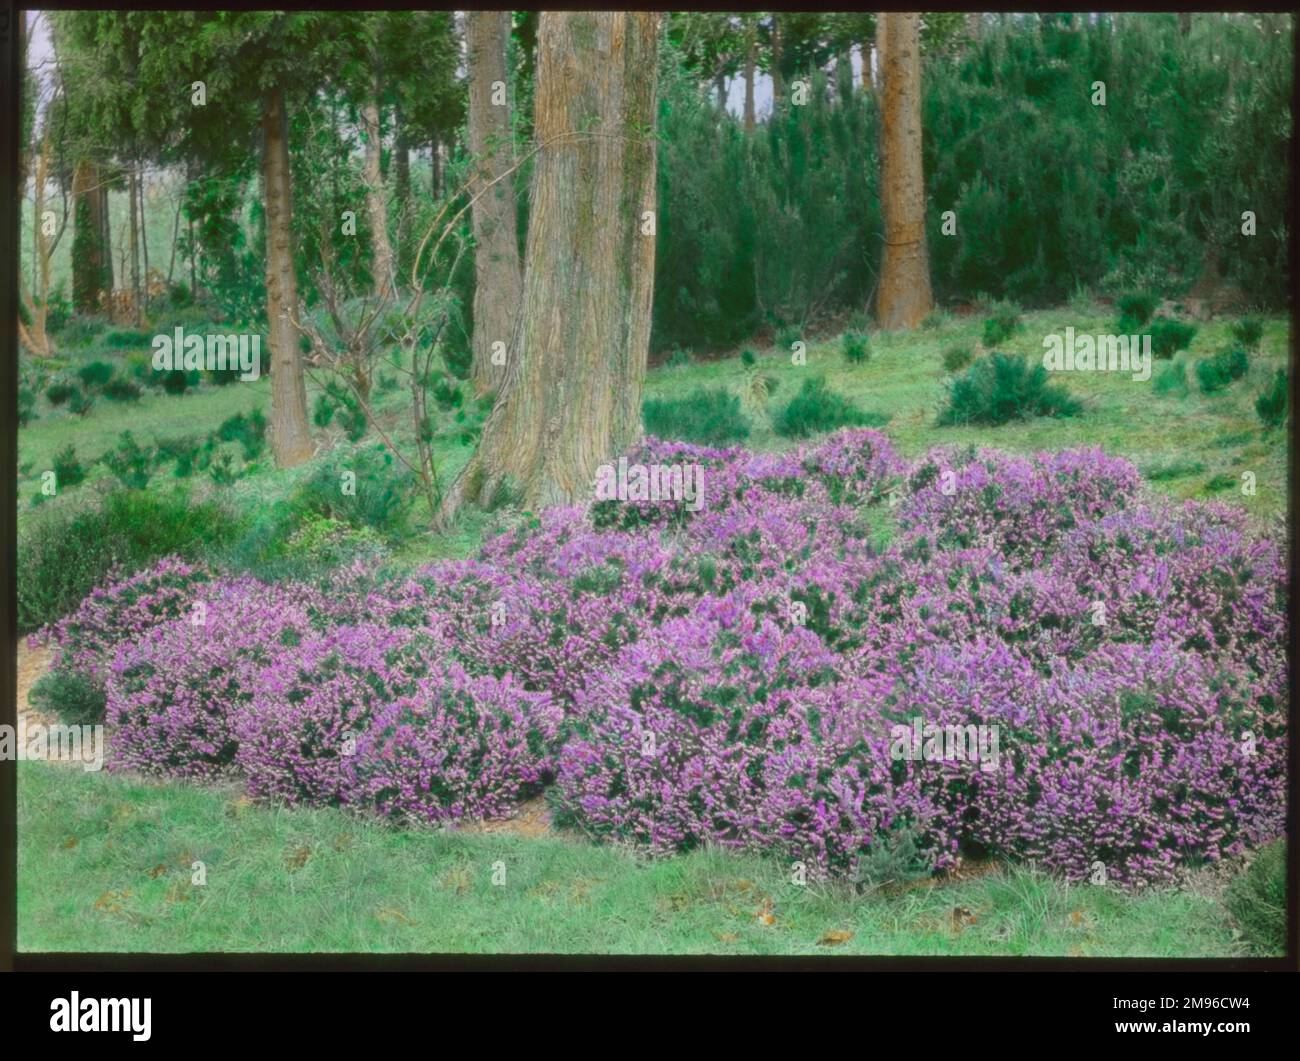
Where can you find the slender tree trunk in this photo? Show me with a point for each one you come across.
(377, 200)
(844, 73)
(144, 245)
(751, 63)
(402, 191)
(498, 278)
(290, 438)
(720, 87)
(572, 395)
(435, 166)
(88, 263)
(778, 78)
(110, 280)
(131, 180)
(904, 297)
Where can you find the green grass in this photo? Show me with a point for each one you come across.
(905, 378)
(103, 860)
(104, 864)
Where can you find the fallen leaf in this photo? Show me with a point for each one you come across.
(387, 914)
(835, 937)
(157, 871)
(70, 842)
(298, 859)
(726, 937)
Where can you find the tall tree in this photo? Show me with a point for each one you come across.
(904, 296)
(572, 394)
(498, 283)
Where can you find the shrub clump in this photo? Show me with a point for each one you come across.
(1000, 388)
(1248, 331)
(710, 417)
(1170, 336)
(1217, 372)
(1135, 309)
(1271, 404)
(1003, 324)
(856, 347)
(817, 408)
(955, 358)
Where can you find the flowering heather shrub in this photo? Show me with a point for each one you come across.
(121, 611)
(460, 747)
(173, 692)
(1021, 505)
(732, 675)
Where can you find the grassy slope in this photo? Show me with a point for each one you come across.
(104, 864)
(365, 887)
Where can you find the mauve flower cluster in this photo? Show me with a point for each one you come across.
(735, 674)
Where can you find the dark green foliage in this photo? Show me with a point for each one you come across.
(379, 500)
(1135, 309)
(1170, 336)
(1002, 325)
(67, 469)
(118, 389)
(95, 374)
(178, 295)
(1248, 331)
(1272, 401)
(446, 393)
(1052, 191)
(1257, 899)
(955, 358)
(26, 405)
(249, 431)
(186, 452)
(777, 226)
(680, 359)
(80, 403)
(856, 347)
(177, 381)
(1178, 469)
(70, 696)
(1215, 373)
(747, 358)
(1172, 380)
(60, 392)
(80, 330)
(127, 340)
(711, 417)
(1001, 387)
(818, 408)
(131, 464)
(63, 554)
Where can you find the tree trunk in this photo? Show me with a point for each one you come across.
(498, 280)
(290, 438)
(751, 62)
(110, 281)
(435, 166)
(376, 201)
(572, 395)
(131, 180)
(778, 78)
(904, 296)
(144, 246)
(402, 192)
(88, 263)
